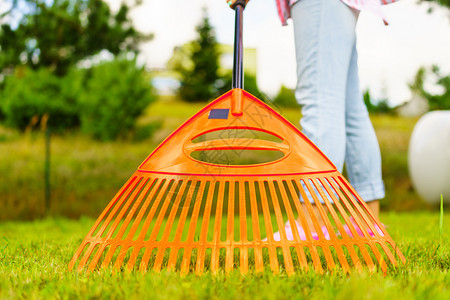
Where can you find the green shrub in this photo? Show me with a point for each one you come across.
(144, 132)
(436, 101)
(380, 107)
(285, 98)
(198, 80)
(115, 95)
(30, 94)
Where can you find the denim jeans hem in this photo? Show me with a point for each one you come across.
(370, 191)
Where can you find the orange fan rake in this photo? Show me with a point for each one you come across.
(190, 208)
(185, 213)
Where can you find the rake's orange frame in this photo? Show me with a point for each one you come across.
(142, 204)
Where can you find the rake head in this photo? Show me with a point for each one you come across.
(189, 208)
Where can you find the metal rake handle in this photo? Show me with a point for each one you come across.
(238, 68)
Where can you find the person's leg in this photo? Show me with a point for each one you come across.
(324, 38)
(362, 159)
(374, 206)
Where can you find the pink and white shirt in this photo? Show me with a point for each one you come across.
(374, 6)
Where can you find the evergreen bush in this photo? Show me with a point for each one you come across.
(28, 95)
(198, 81)
(285, 98)
(115, 95)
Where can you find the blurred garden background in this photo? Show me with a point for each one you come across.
(80, 109)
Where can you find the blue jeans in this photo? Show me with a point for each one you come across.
(334, 115)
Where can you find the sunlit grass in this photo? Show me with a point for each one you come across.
(34, 258)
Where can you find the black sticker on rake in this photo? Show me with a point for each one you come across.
(218, 113)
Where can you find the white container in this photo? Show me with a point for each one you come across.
(429, 156)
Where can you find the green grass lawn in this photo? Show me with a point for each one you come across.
(34, 258)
